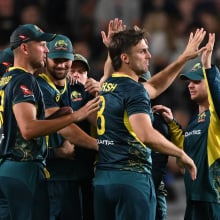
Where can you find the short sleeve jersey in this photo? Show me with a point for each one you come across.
(79, 96)
(119, 147)
(54, 96)
(159, 160)
(17, 86)
(83, 158)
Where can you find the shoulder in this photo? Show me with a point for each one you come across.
(19, 76)
(124, 83)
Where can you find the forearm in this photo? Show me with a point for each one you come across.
(78, 137)
(30, 127)
(166, 76)
(147, 134)
(159, 143)
(38, 128)
(108, 70)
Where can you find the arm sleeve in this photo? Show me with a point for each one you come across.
(48, 98)
(24, 90)
(176, 134)
(212, 79)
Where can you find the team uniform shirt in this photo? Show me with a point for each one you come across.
(84, 158)
(54, 96)
(119, 147)
(159, 160)
(17, 86)
(79, 96)
(201, 141)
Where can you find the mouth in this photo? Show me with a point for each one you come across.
(60, 70)
(192, 93)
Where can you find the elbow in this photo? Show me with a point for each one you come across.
(27, 134)
(144, 140)
(147, 140)
(27, 137)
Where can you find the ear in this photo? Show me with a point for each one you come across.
(23, 47)
(124, 58)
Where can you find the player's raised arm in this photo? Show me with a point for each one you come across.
(169, 74)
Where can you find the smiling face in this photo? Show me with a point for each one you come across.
(58, 68)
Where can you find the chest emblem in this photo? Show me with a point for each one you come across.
(201, 117)
(76, 96)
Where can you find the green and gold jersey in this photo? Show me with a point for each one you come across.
(119, 147)
(201, 141)
(17, 86)
(74, 96)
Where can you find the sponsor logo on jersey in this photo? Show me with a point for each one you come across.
(194, 132)
(26, 91)
(105, 142)
(108, 87)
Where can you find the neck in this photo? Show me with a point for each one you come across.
(129, 72)
(59, 82)
(25, 66)
(203, 107)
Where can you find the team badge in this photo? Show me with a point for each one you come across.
(61, 45)
(76, 96)
(201, 117)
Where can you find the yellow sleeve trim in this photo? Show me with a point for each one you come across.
(176, 134)
(213, 142)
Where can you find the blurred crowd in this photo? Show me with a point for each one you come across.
(168, 22)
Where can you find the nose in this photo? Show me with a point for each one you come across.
(191, 84)
(61, 64)
(75, 74)
(148, 54)
(46, 49)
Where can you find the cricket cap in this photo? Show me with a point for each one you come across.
(196, 73)
(60, 47)
(6, 60)
(79, 57)
(28, 32)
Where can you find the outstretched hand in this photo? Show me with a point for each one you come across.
(207, 54)
(114, 26)
(192, 48)
(90, 107)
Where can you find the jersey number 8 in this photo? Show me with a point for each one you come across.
(101, 118)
